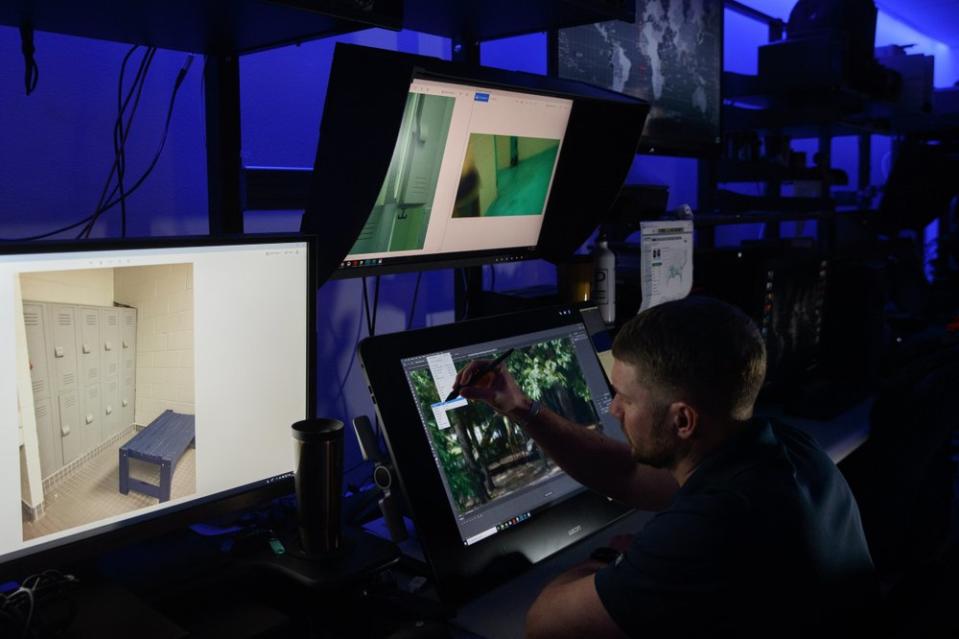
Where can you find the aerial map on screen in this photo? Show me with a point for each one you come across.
(671, 57)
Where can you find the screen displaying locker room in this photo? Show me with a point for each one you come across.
(109, 352)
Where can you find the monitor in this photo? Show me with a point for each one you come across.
(423, 163)
(485, 499)
(151, 381)
(470, 175)
(671, 57)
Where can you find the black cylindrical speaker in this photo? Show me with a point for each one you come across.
(319, 479)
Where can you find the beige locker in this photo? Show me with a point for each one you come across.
(90, 419)
(63, 347)
(110, 343)
(88, 345)
(128, 364)
(71, 434)
(109, 407)
(51, 453)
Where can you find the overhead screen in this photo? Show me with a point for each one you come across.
(470, 174)
(423, 163)
(145, 380)
(671, 57)
(486, 499)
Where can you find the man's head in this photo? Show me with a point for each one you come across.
(678, 364)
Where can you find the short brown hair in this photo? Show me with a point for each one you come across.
(700, 349)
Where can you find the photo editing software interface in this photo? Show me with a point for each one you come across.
(144, 379)
(671, 57)
(471, 171)
(496, 477)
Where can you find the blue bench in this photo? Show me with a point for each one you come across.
(162, 442)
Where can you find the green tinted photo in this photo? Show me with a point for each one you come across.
(485, 456)
(505, 175)
(402, 212)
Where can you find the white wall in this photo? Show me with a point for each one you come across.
(93, 287)
(163, 297)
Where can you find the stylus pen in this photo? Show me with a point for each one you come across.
(479, 374)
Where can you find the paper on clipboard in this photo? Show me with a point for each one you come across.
(666, 267)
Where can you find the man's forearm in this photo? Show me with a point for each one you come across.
(599, 462)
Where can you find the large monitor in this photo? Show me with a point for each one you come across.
(424, 163)
(485, 498)
(672, 57)
(145, 382)
(470, 176)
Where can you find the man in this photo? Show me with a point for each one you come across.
(758, 533)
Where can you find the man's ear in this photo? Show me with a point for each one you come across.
(684, 418)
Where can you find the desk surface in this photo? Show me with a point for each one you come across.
(501, 613)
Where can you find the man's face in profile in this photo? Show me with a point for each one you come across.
(643, 417)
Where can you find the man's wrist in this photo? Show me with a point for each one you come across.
(526, 411)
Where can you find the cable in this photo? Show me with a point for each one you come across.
(31, 72)
(181, 75)
(346, 375)
(121, 132)
(416, 291)
(466, 294)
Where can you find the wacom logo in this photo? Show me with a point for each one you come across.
(574, 530)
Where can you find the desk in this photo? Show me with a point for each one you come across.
(501, 613)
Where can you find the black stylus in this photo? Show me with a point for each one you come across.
(478, 374)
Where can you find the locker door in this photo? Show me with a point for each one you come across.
(128, 357)
(109, 343)
(88, 345)
(90, 417)
(36, 349)
(71, 434)
(109, 414)
(51, 453)
(64, 347)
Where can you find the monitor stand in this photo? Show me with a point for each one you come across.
(359, 556)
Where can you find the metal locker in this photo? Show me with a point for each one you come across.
(109, 343)
(90, 417)
(63, 347)
(128, 358)
(109, 404)
(36, 349)
(51, 453)
(88, 345)
(71, 435)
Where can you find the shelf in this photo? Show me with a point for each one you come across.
(227, 27)
(736, 171)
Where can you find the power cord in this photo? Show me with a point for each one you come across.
(18, 608)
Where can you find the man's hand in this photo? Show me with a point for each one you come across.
(497, 388)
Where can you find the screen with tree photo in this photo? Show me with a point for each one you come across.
(494, 474)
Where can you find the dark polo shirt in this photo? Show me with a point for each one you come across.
(764, 539)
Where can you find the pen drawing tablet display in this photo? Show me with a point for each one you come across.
(485, 499)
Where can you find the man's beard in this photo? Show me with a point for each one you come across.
(662, 449)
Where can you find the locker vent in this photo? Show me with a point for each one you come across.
(130, 319)
(31, 318)
(39, 386)
(41, 410)
(68, 379)
(112, 320)
(69, 401)
(91, 319)
(92, 372)
(64, 319)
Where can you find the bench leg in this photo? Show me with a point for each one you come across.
(124, 473)
(166, 480)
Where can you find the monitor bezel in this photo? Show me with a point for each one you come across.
(79, 546)
(664, 147)
(462, 571)
(367, 92)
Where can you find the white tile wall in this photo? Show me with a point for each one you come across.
(163, 296)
